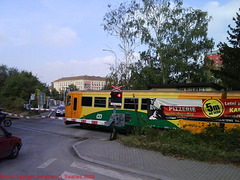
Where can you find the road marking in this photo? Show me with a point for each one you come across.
(104, 171)
(47, 163)
(32, 129)
(36, 130)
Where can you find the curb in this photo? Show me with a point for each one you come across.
(139, 172)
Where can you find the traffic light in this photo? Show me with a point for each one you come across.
(116, 97)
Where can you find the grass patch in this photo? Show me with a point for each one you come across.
(211, 145)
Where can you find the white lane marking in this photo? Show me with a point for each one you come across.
(103, 171)
(34, 130)
(47, 163)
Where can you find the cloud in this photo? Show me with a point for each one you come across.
(49, 36)
(4, 39)
(105, 60)
(20, 37)
(23, 37)
(222, 15)
(60, 36)
(52, 71)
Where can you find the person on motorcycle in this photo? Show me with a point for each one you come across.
(3, 120)
(2, 116)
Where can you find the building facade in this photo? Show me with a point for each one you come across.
(81, 82)
(215, 57)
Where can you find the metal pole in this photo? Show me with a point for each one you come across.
(135, 106)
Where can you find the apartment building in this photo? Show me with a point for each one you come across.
(81, 82)
(215, 57)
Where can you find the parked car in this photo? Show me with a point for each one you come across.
(60, 111)
(9, 145)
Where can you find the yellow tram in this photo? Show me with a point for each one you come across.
(94, 107)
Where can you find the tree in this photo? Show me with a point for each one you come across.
(174, 40)
(22, 84)
(17, 87)
(142, 75)
(120, 23)
(55, 94)
(5, 72)
(3, 75)
(230, 56)
(72, 87)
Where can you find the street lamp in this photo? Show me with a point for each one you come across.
(109, 50)
(116, 58)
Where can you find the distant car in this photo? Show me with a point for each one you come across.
(9, 145)
(60, 111)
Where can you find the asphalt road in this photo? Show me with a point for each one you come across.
(47, 153)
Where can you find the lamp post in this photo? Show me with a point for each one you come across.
(109, 50)
(116, 58)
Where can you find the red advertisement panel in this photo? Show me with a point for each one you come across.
(210, 108)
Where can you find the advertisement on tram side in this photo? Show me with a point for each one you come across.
(225, 109)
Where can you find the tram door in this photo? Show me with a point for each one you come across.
(75, 107)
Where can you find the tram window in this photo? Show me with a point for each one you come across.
(130, 103)
(69, 100)
(111, 106)
(75, 104)
(144, 104)
(86, 101)
(100, 102)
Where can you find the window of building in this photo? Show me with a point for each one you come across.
(100, 102)
(130, 103)
(87, 101)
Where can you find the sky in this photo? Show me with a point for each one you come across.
(63, 38)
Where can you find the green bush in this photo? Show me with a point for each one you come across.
(228, 140)
(212, 145)
(12, 104)
(150, 133)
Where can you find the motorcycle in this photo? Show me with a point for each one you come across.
(6, 122)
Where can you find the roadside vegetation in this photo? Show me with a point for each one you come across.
(211, 145)
(16, 87)
(165, 42)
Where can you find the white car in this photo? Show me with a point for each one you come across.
(60, 111)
